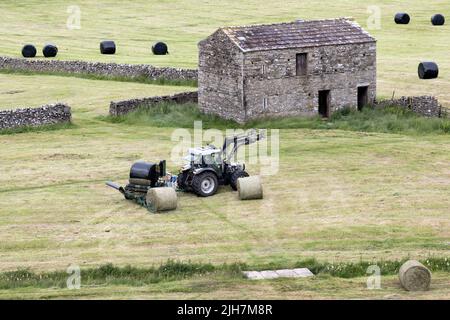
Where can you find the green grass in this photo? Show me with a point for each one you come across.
(110, 274)
(141, 79)
(387, 120)
(172, 116)
(86, 97)
(377, 191)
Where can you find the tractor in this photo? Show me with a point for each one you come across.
(151, 186)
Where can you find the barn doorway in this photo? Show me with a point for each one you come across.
(363, 98)
(324, 103)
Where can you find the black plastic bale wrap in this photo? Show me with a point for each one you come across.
(160, 48)
(438, 20)
(144, 171)
(428, 70)
(108, 47)
(50, 50)
(29, 51)
(402, 18)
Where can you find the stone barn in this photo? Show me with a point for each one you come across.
(297, 68)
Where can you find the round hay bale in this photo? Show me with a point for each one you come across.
(414, 276)
(438, 20)
(428, 70)
(29, 51)
(50, 50)
(250, 188)
(160, 48)
(402, 18)
(107, 47)
(162, 199)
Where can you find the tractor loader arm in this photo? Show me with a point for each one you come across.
(233, 143)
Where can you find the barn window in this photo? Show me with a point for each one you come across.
(263, 69)
(265, 103)
(302, 64)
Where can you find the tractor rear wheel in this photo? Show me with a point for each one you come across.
(235, 176)
(205, 184)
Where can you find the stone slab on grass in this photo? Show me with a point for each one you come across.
(274, 274)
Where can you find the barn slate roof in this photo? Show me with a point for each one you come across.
(297, 34)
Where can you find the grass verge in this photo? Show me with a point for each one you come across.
(392, 119)
(172, 270)
(89, 76)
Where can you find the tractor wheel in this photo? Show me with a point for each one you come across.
(235, 176)
(205, 184)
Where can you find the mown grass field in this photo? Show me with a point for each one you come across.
(340, 196)
(136, 25)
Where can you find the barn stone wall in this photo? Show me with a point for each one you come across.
(45, 115)
(271, 75)
(220, 77)
(118, 108)
(245, 85)
(97, 68)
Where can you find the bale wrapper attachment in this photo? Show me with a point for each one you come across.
(149, 186)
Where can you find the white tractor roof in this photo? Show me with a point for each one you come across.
(204, 150)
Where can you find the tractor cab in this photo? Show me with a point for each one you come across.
(203, 157)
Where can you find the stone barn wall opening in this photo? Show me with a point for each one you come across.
(302, 64)
(324, 103)
(363, 97)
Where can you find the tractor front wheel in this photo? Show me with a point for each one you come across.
(235, 176)
(205, 184)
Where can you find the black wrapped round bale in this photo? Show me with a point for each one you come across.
(428, 70)
(107, 47)
(438, 20)
(29, 51)
(50, 51)
(160, 48)
(402, 18)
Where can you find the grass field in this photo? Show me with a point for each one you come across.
(136, 25)
(340, 196)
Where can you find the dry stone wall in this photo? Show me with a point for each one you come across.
(45, 115)
(427, 106)
(97, 68)
(118, 108)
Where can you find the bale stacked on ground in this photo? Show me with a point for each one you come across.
(162, 199)
(428, 70)
(438, 20)
(160, 48)
(414, 276)
(402, 18)
(250, 188)
(29, 51)
(50, 50)
(107, 47)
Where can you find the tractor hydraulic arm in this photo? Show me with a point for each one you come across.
(233, 143)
